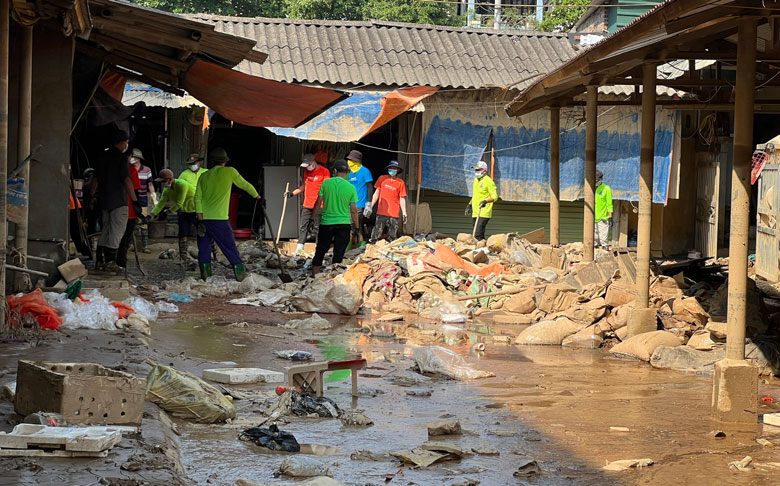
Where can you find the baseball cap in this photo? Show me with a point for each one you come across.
(341, 166)
(481, 165)
(165, 174)
(308, 159)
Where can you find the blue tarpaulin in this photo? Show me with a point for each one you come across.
(522, 157)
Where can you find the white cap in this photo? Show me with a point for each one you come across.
(481, 165)
(308, 159)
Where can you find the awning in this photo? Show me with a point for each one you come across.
(359, 115)
(135, 92)
(254, 101)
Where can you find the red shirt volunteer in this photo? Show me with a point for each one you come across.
(313, 181)
(390, 194)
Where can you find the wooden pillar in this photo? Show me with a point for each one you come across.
(555, 176)
(4, 53)
(419, 176)
(740, 188)
(642, 318)
(591, 137)
(23, 142)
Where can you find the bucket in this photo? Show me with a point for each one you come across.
(157, 229)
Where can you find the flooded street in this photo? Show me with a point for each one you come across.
(547, 403)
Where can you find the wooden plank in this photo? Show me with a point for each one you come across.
(535, 236)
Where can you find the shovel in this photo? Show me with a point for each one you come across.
(284, 210)
(283, 275)
(476, 222)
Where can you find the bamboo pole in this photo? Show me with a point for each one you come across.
(740, 189)
(23, 143)
(591, 137)
(4, 41)
(555, 176)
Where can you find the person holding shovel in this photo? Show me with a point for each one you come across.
(178, 195)
(212, 203)
(313, 178)
(390, 201)
(483, 196)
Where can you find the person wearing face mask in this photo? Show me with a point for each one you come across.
(604, 211)
(313, 178)
(484, 194)
(114, 189)
(145, 193)
(390, 195)
(361, 179)
(194, 170)
(178, 195)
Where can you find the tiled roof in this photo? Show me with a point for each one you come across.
(383, 54)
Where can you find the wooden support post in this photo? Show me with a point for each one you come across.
(23, 142)
(740, 188)
(644, 319)
(4, 53)
(591, 137)
(555, 176)
(419, 178)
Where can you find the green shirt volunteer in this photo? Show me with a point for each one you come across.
(337, 194)
(603, 202)
(182, 194)
(484, 188)
(192, 177)
(212, 196)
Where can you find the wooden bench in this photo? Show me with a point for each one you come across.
(309, 377)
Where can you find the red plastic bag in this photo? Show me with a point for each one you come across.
(124, 309)
(35, 303)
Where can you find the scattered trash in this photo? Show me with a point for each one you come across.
(233, 376)
(50, 419)
(187, 396)
(409, 378)
(72, 439)
(626, 464)
(446, 447)
(619, 429)
(528, 468)
(743, 465)
(303, 467)
(419, 393)
(294, 355)
(422, 457)
(305, 404)
(271, 438)
(92, 311)
(365, 455)
(442, 361)
(181, 298)
(444, 427)
(765, 443)
(313, 322)
(355, 417)
(767, 399)
(485, 451)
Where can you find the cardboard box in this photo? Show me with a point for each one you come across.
(84, 393)
(72, 270)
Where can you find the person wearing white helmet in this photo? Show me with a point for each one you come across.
(483, 195)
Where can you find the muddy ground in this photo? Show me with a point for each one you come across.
(551, 404)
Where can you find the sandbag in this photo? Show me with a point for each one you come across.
(619, 293)
(701, 340)
(684, 358)
(591, 338)
(588, 312)
(643, 345)
(557, 297)
(187, 396)
(326, 297)
(549, 332)
(619, 316)
(689, 310)
(522, 303)
(442, 361)
(304, 467)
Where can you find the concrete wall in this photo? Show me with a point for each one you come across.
(679, 216)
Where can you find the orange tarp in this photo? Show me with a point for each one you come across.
(398, 102)
(448, 255)
(255, 101)
(114, 84)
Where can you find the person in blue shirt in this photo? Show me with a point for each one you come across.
(361, 178)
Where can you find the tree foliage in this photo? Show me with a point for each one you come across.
(561, 17)
(413, 11)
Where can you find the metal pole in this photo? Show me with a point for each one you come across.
(497, 15)
(555, 176)
(23, 142)
(4, 41)
(740, 189)
(591, 137)
(643, 319)
(647, 152)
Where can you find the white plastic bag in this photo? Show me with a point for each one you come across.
(336, 297)
(438, 360)
(143, 307)
(98, 313)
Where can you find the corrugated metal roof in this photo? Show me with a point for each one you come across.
(389, 55)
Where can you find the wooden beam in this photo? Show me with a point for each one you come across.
(128, 62)
(120, 47)
(693, 20)
(680, 82)
(145, 34)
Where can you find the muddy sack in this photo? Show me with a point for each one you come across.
(337, 297)
(549, 332)
(304, 467)
(643, 345)
(271, 438)
(187, 396)
(442, 361)
(305, 404)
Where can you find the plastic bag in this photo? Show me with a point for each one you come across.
(520, 258)
(548, 275)
(97, 313)
(313, 322)
(271, 438)
(143, 307)
(336, 297)
(35, 303)
(304, 467)
(163, 306)
(294, 355)
(254, 282)
(446, 311)
(187, 396)
(181, 298)
(438, 360)
(305, 404)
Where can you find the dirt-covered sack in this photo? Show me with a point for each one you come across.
(591, 338)
(643, 345)
(618, 318)
(558, 297)
(522, 302)
(330, 297)
(589, 312)
(549, 332)
(684, 358)
(187, 396)
(438, 360)
(313, 322)
(304, 467)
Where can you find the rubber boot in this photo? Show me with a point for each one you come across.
(184, 254)
(100, 260)
(240, 272)
(112, 268)
(205, 270)
(315, 270)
